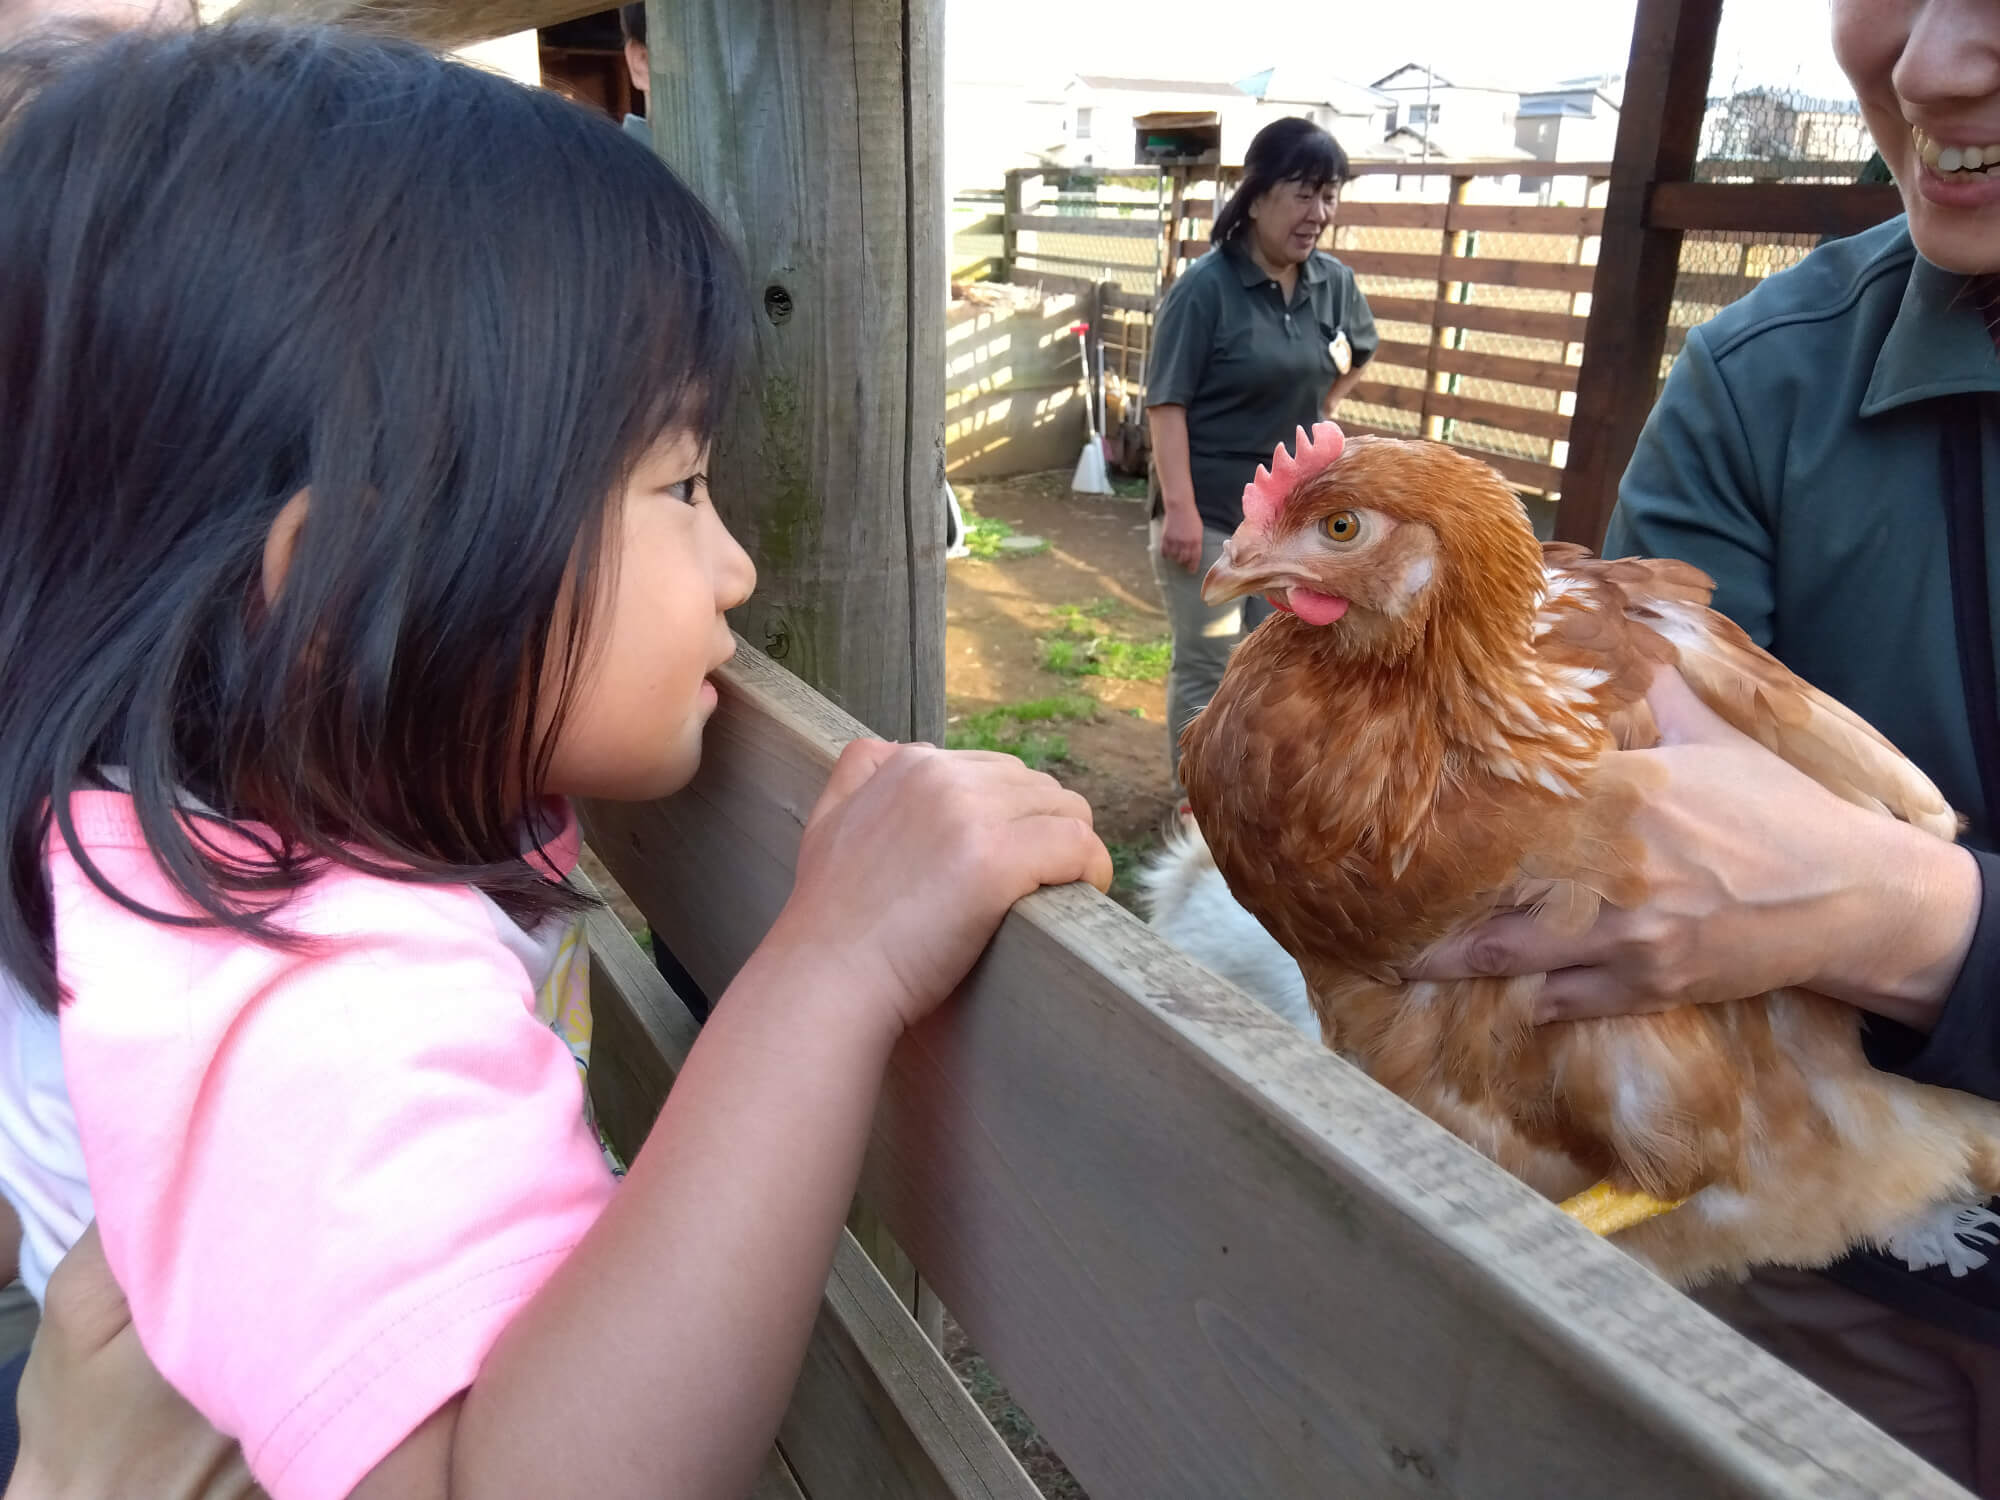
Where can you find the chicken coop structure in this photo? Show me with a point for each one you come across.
(1208, 1258)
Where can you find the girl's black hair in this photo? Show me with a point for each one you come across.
(258, 260)
(1289, 150)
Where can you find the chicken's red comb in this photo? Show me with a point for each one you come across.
(1312, 453)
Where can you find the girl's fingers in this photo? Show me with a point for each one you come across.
(1057, 850)
(859, 761)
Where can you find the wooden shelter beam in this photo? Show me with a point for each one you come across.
(811, 128)
(1659, 131)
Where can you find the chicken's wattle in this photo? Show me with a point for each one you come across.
(1314, 607)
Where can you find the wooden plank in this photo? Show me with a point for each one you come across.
(1391, 263)
(1137, 229)
(777, 1482)
(1545, 275)
(1480, 167)
(1079, 286)
(1659, 127)
(1529, 218)
(876, 1410)
(1527, 420)
(1523, 473)
(435, 25)
(1206, 1255)
(1521, 322)
(1540, 374)
(1394, 397)
(1713, 289)
(1773, 207)
(1390, 216)
(830, 468)
(1143, 302)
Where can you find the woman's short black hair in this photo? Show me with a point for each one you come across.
(632, 21)
(254, 261)
(1289, 150)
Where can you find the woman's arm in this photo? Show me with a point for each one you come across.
(1180, 538)
(97, 1421)
(1760, 877)
(1183, 336)
(1337, 392)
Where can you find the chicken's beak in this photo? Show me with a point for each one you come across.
(1240, 570)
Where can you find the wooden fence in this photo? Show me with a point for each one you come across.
(1207, 1256)
(1484, 308)
(1481, 306)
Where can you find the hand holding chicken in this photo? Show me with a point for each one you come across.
(1420, 743)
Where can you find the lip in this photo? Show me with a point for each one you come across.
(1962, 191)
(709, 695)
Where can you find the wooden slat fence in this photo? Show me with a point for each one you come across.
(1207, 1256)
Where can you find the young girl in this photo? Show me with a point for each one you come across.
(358, 405)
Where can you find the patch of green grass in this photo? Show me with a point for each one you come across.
(1108, 656)
(984, 534)
(1082, 647)
(1008, 730)
(1126, 858)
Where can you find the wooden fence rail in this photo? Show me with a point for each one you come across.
(1207, 1256)
(1488, 356)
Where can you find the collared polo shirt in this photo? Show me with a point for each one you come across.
(1796, 456)
(1250, 366)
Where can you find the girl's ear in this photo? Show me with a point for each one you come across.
(279, 542)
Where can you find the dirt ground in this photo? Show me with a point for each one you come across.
(1000, 613)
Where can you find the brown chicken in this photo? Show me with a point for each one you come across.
(1417, 741)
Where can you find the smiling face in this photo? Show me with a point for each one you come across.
(1288, 219)
(1927, 75)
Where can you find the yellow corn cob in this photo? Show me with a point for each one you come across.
(1605, 1209)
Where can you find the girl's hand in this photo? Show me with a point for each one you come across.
(96, 1418)
(912, 857)
(1759, 878)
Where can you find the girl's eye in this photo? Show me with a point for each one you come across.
(1342, 526)
(687, 490)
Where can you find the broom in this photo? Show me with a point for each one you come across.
(1090, 477)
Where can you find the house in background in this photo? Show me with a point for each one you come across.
(1456, 121)
(1575, 120)
(1098, 110)
(1778, 125)
(1356, 115)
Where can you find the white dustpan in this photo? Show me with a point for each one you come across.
(1090, 477)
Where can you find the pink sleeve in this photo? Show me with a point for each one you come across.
(326, 1180)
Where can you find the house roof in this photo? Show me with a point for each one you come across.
(1288, 83)
(1408, 142)
(1413, 76)
(1111, 84)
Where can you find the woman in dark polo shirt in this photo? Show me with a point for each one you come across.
(1257, 339)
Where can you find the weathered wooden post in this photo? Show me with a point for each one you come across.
(812, 128)
(1659, 129)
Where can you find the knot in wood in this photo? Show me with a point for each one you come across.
(777, 303)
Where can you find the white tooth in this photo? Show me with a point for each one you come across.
(1950, 159)
(1974, 158)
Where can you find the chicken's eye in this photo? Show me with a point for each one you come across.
(1342, 526)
